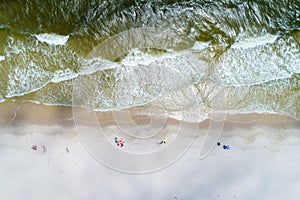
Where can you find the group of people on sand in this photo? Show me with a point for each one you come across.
(44, 148)
(120, 143)
(163, 141)
(225, 146)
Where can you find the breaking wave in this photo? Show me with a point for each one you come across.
(248, 51)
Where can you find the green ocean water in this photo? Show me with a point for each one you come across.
(177, 56)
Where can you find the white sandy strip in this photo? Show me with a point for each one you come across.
(263, 163)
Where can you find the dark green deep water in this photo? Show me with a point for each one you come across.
(237, 56)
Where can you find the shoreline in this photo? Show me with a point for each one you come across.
(28, 118)
(20, 113)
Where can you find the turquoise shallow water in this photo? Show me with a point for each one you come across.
(177, 56)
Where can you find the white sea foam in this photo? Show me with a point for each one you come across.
(52, 39)
(4, 26)
(259, 64)
(25, 80)
(246, 42)
(137, 57)
(96, 64)
(2, 58)
(62, 75)
(199, 46)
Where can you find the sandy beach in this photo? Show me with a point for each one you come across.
(80, 161)
(149, 100)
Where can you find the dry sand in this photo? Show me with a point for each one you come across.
(76, 161)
